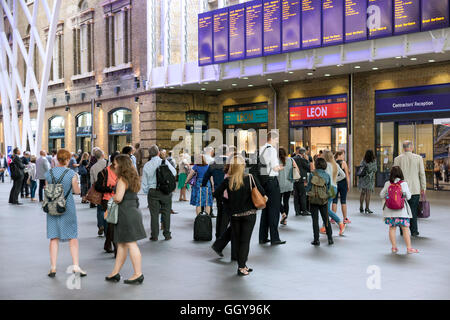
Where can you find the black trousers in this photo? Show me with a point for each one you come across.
(299, 197)
(270, 216)
(41, 189)
(242, 228)
(15, 191)
(223, 241)
(222, 219)
(414, 205)
(2, 176)
(109, 239)
(315, 220)
(284, 204)
(25, 191)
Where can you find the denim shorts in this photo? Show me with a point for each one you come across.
(342, 188)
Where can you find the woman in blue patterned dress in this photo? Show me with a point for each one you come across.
(199, 169)
(64, 228)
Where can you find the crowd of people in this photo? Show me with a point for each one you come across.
(222, 174)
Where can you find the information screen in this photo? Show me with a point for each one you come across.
(435, 14)
(272, 27)
(332, 22)
(379, 18)
(311, 23)
(205, 38)
(253, 26)
(237, 32)
(406, 16)
(355, 20)
(290, 25)
(220, 35)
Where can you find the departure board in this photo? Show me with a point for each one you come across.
(237, 32)
(332, 22)
(272, 27)
(435, 14)
(355, 20)
(253, 26)
(205, 38)
(379, 21)
(406, 16)
(220, 35)
(290, 25)
(311, 23)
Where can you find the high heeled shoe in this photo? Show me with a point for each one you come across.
(52, 274)
(115, 278)
(239, 273)
(138, 280)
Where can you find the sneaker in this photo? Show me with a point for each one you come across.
(347, 221)
(323, 230)
(341, 228)
(332, 221)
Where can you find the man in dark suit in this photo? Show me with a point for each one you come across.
(301, 159)
(17, 174)
(25, 190)
(3, 167)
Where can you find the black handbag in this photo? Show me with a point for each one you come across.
(361, 171)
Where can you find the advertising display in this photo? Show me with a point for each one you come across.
(237, 32)
(413, 100)
(220, 35)
(406, 16)
(311, 23)
(328, 107)
(266, 27)
(205, 38)
(290, 25)
(435, 14)
(242, 117)
(355, 20)
(272, 27)
(332, 22)
(253, 29)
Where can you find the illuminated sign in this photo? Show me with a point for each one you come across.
(328, 107)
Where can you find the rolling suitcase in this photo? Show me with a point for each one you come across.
(203, 223)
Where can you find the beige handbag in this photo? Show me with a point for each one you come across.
(258, 200)
(295, 171)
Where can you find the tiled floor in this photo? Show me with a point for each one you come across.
(184, 269)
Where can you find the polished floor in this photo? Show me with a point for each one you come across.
(184, 269)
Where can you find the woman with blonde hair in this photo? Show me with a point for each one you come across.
(129, 228)
(64, 227)
(241, 209)
(336, 173)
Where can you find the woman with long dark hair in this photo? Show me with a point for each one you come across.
(286, 184)
(366, 182)
(129, 228)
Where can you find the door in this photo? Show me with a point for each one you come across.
(441, 145)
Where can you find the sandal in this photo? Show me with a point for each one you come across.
(412, 250)
(283, 219)
(394, 250)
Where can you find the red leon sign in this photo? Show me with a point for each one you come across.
(320, 111)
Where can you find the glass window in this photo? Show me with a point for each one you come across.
(120, 116)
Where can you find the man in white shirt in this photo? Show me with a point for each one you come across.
(270, 216)
(158, 202)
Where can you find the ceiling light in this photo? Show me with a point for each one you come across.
(206, 82)
(250, 85)
(374, 68)
(291, 72)
(327, 74)
(245, 78)
(431, 60)
(269, 79)
(413, 59)
(203, 89)
(171, 87)
(357, 67)
(219, 89)
(234, 84)
(286, 80)
(398, 57)
(309, 73)
(339, 65)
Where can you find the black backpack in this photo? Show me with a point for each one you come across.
(165, 179)
(258, 170)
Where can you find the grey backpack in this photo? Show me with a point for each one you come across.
(54, 199)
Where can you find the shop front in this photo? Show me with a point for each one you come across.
(84, 131)
(318, 123)
(422, 116)
(119, 129)
(241, 124)
(56, 133)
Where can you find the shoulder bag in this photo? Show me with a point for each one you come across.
(295, 171)
(112, 214)
(424, 208)
(93, 196)
(257, 198)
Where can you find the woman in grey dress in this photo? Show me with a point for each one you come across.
(366, 183)
(64, 228)
(129, 228)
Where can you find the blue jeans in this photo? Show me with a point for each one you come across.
(101, 222)
(332, 214)
(33, 188)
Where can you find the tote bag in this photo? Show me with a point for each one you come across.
(424, 208)
(112, 212)
(258, 200)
